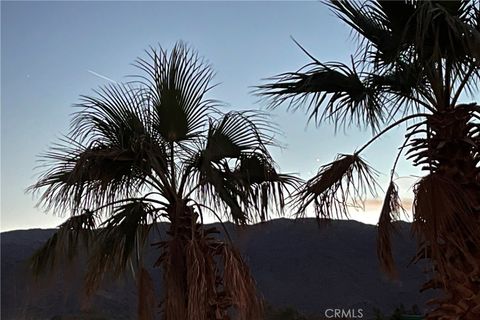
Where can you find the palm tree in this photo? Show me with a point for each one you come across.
(414, 63)
(157, 149)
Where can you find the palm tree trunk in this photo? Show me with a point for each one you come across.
(455, 253)
(193, 283)
(175, 266)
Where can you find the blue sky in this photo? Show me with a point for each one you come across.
(49, 49)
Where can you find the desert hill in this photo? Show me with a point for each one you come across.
(295, 263)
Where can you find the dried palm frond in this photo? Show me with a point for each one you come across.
(341, 183)
(44, 259)
(146, 295)
(201, 279)
(191, 274)
(390, 213)
(63, 245)
(120, 243)
(174, 304)
(240, 287)
(443, 215)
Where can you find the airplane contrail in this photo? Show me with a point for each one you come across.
(100, 76)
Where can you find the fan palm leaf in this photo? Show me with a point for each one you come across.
(351, 98)
(336, 186)
(120, 242)
(78, 231)
(176, 88)
(379, 25)
(265, 187)
(390, 213)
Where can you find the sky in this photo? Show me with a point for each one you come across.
(53, 52)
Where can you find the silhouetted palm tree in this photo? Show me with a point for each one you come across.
(157, 149)
(415, 61)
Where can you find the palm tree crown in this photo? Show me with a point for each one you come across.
(415, 59)
(157, 149)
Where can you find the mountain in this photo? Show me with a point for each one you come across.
(296, 263)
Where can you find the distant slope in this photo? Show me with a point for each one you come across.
(295, 263)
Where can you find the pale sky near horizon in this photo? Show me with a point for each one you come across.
(52, 52)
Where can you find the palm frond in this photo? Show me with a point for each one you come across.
(115, 115)
(64, 244)
(146, 296)
(201, 278)
(177, 84)
(402, 89)
(266, 189)
(235, 133)
(119, 117)
(444, 30)
(84, 177)
(425, 151)
(375, 22)
(240, 287)
(218, 189)
(390, 213)
(123, 235)
(396, 14)
(442, 214)
(110, 152)
(229, 138)
(350, 98)
(341, 183)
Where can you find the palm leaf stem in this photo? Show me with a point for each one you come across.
(193, 189)
(131, 199)
(448, 84)
(393, 125)
(423, 103)
(162, 183)
(172, 165)
(219, 220)
(462, 84)
(397, 158)
(183, 181)
(434, 76)
(305, 51)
